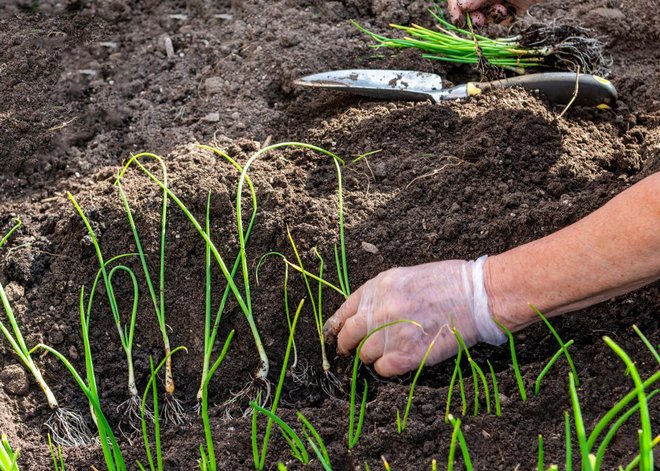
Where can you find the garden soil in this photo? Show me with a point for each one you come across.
(86, 84)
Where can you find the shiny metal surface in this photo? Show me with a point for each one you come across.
(384, 84)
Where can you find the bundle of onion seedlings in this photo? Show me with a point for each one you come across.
(172, 407)
(67, 426)
(555, 47)
(126, 331)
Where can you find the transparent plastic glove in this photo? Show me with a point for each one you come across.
(484, 11)
(438, 296)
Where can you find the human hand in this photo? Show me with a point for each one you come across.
(438, 296)
(487, 11)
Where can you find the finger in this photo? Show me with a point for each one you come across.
(478, 18)
(335, 323)
(354, 330)
(455, 12)
(393, 364)
(372, 349)
(499, 13)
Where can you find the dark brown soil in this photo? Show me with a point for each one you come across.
(85, 84)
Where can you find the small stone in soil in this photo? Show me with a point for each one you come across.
(213, 85)
(15, 380)
(368, 247)
(212, 117)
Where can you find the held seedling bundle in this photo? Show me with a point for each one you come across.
(539, 46)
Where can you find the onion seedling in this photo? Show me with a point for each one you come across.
(112, 454)
(615, 427)
(560, 342)
(151, 386)
(208, 455)
(496, 390)
(555, 357)
(457, 435)
(648, 344)
(386, 464)
(17, 223)
(587, 464)
(211, 330)
(243, 299)
(514, 360)
(317, 309)
(635, 462)
(476, 371)
(172, 408)
(401, 423)
(259, 457)
(67, 426)
(557, 47)
(646, 437)
(331, 382)
(8, 456)
(355, 427)
(567, 431)
(618, 407)
(315, 441)
(540, 465)
(126, 334)
(56, 455)
(457, 373)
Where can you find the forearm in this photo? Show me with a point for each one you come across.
(610, 252)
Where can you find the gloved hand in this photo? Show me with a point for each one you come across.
(484, 11)
(438, 296)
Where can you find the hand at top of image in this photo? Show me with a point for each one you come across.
(487, 11)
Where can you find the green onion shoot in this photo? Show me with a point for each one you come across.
(172, 407)
(126, 333)
(67, 426)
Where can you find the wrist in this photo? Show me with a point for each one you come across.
(508, 300)
(488, 331)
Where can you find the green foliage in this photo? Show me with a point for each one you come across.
(8, 456)
(477, 372)
(355, 427)
(560, 342)
(514, 360)
(112, 454)
(646, 437)
(126, 334)
(496, 390)
(157, 300)
(401, 423)
(452, 44)
(56, 455)
(457, 437)
(259, 457)
(537, 384)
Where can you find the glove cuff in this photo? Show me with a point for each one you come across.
(488, 330)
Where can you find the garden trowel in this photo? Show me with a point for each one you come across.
(408, 85)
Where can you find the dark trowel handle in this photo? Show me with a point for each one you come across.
(559, 87)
